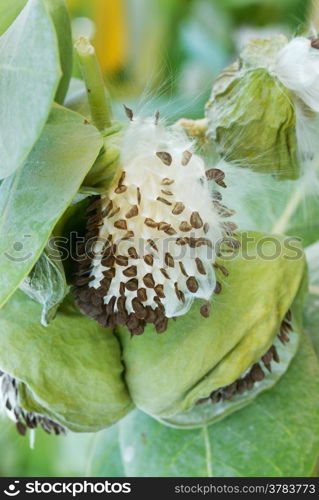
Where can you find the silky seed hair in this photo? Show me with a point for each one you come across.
(153, 236)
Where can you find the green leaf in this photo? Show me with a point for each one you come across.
(30, 74)
(60, 17)
(47, 285)
(9, 10)
(34, 198)
(70, 370)
(311, 311)
(106, 459)
(277, 435)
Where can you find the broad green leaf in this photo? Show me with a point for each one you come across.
(311, 311)
(30, 74)
(70, 370)
(167, 374)
(34, 198)
(47, 285)
(106, 459)
(277, 435)
(9, 9)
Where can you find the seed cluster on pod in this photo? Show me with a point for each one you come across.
(255, 374)
(9, 401)
(152, 238)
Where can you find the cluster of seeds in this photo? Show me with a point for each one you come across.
(256, 372)
(152, 239)
(23, 419)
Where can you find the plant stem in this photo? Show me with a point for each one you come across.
(282, 223)
(93, 78)
(208, 452)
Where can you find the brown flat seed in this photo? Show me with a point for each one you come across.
(163, 225)
(127, 236)
(84, 280)
(165, 157)
(170, 231)
(161, 326)
(283, 337)
(108, 261)
(221, 268)
(200, 266)
(217, 195)
(121, 260)
(179, 207)
(192, 284)
(315, 43)
(288, 315)
(196, 220)
(129, 113)
(163, 200)
(108, 209)
(132, 253)
(151, 315)
(152, 245)
(205, 310)
(121, 304)
(109, 273)
(150, 223)
(139, 309)
(165, 273)
(139, 196)
(181, 265)
(217, 175)
(121, 224)
(120, 189)
(241, 386)
(132, 285)
(267, 359)
(169, 261)
(142, 295)
(122, 288)
(149, 280)
(167, 182)
(95, 205)
(167, 192)
(206, 227)
(149, 259)
(275, 354)
(130, 272)
(21, 428)
(229, 227)
(159, 289)
(110, 305)
(257, 373)
(186, 157)
(249, 381)
(185, 226)
(114, 212)
(133, 212)
(215, 397)
(229, 391)
(218, 288)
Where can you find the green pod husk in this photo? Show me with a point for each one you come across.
(251, 115)
(70, 371)
(167, 375)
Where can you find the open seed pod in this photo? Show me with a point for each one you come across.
(152, 236)
(243, 348)
(251, 114)
(66, 375)
(74, 374)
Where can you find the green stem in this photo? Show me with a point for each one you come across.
(93, 78)
(282, 223)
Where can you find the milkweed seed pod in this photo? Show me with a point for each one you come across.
(74, 374)
(259, 105)
(201, 371)
(152, 237)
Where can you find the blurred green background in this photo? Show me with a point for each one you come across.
(155, 53)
